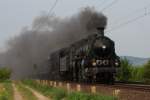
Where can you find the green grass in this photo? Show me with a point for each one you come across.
(86, 96)
(26, 93)
(60, 94)
(6, 92)
(55, 93)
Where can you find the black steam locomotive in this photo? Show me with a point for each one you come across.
(92, 59)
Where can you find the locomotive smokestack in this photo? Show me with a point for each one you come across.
(100, 31)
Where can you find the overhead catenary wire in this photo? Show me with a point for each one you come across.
(52, 8)
(132, 13)
(109, 5)
(100, 4)
(49, 14)
(146, 13)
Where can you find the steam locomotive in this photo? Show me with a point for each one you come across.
(92, 59)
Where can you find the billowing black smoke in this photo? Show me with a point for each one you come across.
(48, 34)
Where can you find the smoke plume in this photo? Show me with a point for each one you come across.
(48, 34)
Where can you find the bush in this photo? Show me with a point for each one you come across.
(124, 73)
(4, 74)
(137, 73)
(146, 74)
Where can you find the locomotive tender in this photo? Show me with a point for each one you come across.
(92, 59)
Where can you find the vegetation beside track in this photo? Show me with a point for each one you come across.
(85, 96)
(26, 93)
(6, 90)
(60, 94)
(130, 73)
(55, 93)
(5, 74)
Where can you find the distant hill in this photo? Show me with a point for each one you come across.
(136, 60)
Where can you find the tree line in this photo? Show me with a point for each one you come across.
(131, 73)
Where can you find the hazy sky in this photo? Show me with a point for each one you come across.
(132, 39)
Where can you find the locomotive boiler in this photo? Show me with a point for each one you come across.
(92, 59)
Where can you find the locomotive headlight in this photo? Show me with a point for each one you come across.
(116, 63)
(104, 46)
(94, 63)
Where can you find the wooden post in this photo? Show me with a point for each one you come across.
(55, 84)
(78, 88)
(60, 84)
(45, 82)
(51, 83)
(116, 92)
(68, 87)
(93, 89)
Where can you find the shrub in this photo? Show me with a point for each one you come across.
(4, 74)
(124, 73)
(146, 74)
(137, 73)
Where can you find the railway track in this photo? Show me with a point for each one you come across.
(128, 85)
(121, 85)
(139, 87)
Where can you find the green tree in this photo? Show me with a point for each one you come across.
(4, 74)
(124, 73)
(146, 74)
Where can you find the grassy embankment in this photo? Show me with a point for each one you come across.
(6, 90)
(26, 93)
(60, 94)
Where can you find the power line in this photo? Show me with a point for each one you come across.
(53, 6)
(103, 2)
(108, 6)
(130, 21)
(49, 12)
(132, 13)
